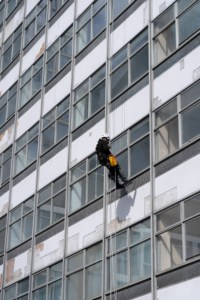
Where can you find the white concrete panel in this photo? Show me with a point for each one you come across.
(57, 93)
(60, 25)
(145, 297)
(127, 210)
(9, 79)
(49, 251)
(23, 190)
(18, 267)
(131, 111)
(90, 63)
(158, 6)
(177, 78)
(183, 179)
(82, 5)
(122, 35)
(53, 168)
(14, 23)
(6, 138)
(4, 203)
(86, 143)
(30, 5)
(33, 54)
(185, 290)
(78, 239)
(28, 119)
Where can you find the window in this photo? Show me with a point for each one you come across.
(11, 4)
(55, 125)
(129, 64)
(21, 223)
(177, 122)
(48, 283)
(132, 148)
(5, 165)
(35, 21)
(51, 203)
(118, 6)
(86, 183)
(26, 148)
(11, 47)
(129, 256)
(84, 273)
(178, 235)
(17, 291)
(2, 233)
(59, 54)
(2, 11)
(31, 82)
(89, 97)
(174, 26)
(55, 5)
(90, 24)
(8, 104)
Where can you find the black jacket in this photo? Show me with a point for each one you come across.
(103, 151)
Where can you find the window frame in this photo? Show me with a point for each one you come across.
(16, 285)
(17, 2)
(52, 14)
(9, 95)
(4, 161)
(3, 220)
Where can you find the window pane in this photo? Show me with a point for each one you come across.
(20, 161)
(14, 236)
(192, 206)
(27, 227)
(32, 151)
(52, 67)
(79, 171)
(164, 44)
(167, 139)
(97, 98)
(78, 195)
(54, 6)
(28, 205)
(43, 216)
(48, 137)
(40, 278)
(140, 156)
(49, 118)
(95, 184)
(119, 80)
(6, 171)
(117, 242)
(140, 232)
(98, 76)
(139, 41)
(81, 112)
(37, 82)
(99, 22)
(123, 162)
(119, 144)
(55, 290)
(40, 294)
(11, 106)
(41, 19)
(93, 281)
(44, 194)
(94, 254)
(118, 6)
(65, 54)
(74, 288)
(55, 271)
(118, 270)
(53, 49)
(164, 19)
(84, 18)
(33, 132)
(183, 4)
(2, 239)
(190, 95)
(169, 249)
(59, 184)
(62, 127)
(140, 261)
(92, 162)
(190, 123)
(83, 37)
(21, 142)
(63, 106)
(23, 298)
(15, 214)
(58, 207)
(66, 36)
(75, 262)
(166, 112)
(23, 286)
(7, 58)
(97, 5)
(185, 26)
(139, 130)
(139, 63)
(192, 238)
(2, 115)
(10, 292)
(81, 91)
(25, 94)
(168, 217)
(16, 46)
(29, 32)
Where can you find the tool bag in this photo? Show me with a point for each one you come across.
(112, 160)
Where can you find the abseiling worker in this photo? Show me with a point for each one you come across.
(107, 159)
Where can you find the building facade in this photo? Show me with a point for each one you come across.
(71, 70)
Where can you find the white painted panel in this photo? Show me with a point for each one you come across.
(185, 290)
(30, 5)
(28, 119)
(78, 239)
(4, 203)
(122, 34)
(57, 93)
(183, 179)
(131, 111)
(60, 25)
(6, 138)
(23, 190)
(176, 77)
(86, 143)
(33, 54)
(18, 267)
(159, 6)
(90, 63)
(127, 210)
(49, 251)
(14, 23)
(82, 5)
(9, 79)
(53, 168)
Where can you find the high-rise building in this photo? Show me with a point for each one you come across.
(69, 71)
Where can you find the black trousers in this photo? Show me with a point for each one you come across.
(115, 173)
